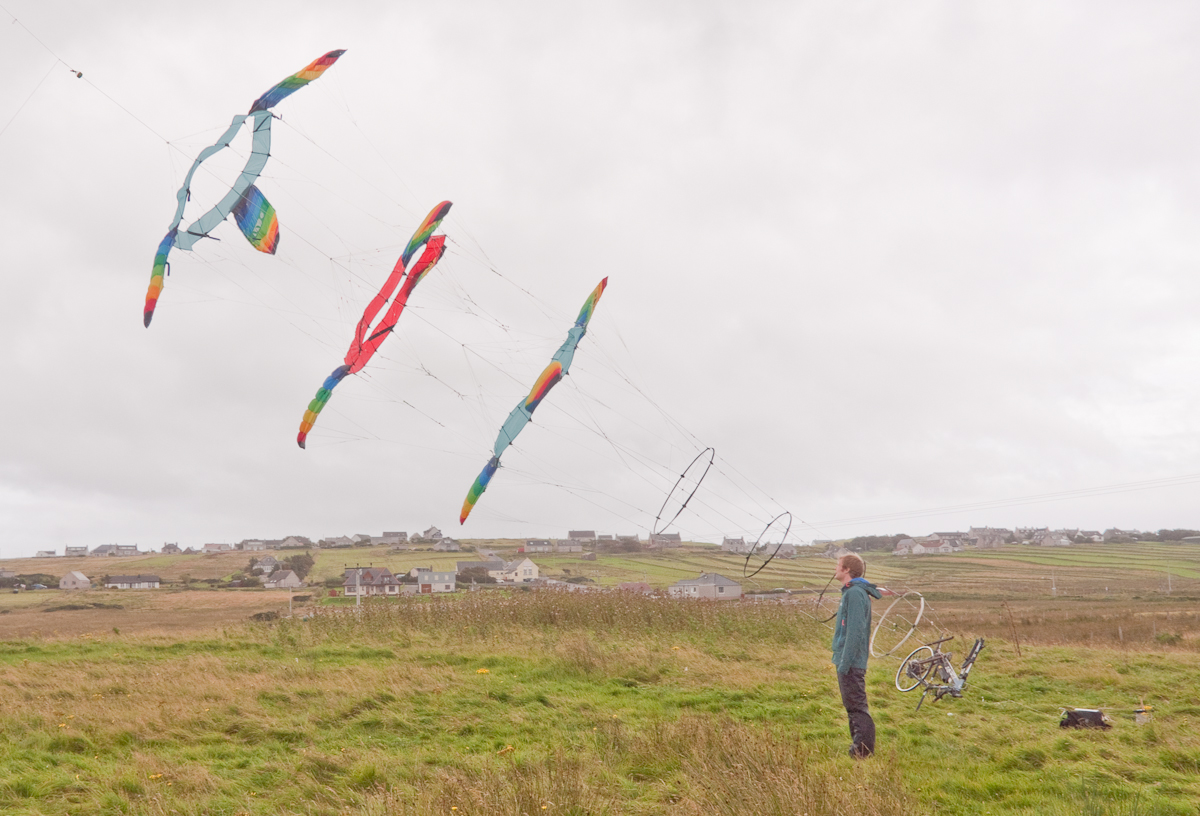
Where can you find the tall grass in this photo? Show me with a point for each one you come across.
(615, 613)
(602, 703)
(697, 765)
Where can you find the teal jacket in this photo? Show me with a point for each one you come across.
(852, 631)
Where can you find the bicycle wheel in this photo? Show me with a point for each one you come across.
(908, 680)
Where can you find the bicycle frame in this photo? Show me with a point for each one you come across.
(917, 669)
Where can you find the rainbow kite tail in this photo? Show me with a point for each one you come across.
(425, 230)
(157, 276)
(296, 81)
(481, 483)
(589, 305)
(323, 395)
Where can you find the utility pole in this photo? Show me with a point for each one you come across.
(357, 582)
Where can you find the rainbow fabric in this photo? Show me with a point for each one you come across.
(257, 220)
(548, 379)
(520, 416)
(157, 276)
(427, 228)
(480, 485)
(367, 339)
(254, 214)
(296, 81)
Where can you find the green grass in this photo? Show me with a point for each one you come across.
(542, 702)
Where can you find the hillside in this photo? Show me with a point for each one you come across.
(1011, 571)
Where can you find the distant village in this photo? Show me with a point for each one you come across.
(488, 568)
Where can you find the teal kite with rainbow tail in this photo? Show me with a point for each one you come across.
(520, 416)
(255, 216)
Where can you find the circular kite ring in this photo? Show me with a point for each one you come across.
(820, 597)
(766, 529)
(912, 627)
(655, 530)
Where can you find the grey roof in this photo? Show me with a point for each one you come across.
(371, 576)
(707, 579)
(133, 579)
(494, 564)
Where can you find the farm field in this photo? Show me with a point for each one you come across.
(1113, 569)
(509, 702)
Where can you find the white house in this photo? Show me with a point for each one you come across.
(519, 571)
(74, 580)
(46, 553)
(429, 581)
(283, 579)
(568, 545)
(539, 545)
(132, 582)
(217, 548)
(267, 564)
(708, 585)
(447, 544)
(76, 551)
(734, 545)
(252, 545)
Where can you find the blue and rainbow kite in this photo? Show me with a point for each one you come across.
(254, 214)
(520, 416)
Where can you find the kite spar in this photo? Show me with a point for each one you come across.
(367, 340)
(255, 216)
(520, 416)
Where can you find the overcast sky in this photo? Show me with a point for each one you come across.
(906, 267)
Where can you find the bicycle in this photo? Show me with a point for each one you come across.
(929, 667)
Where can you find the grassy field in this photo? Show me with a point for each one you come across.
(552, 702)
(513, 702)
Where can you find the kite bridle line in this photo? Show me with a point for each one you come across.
(656, 530)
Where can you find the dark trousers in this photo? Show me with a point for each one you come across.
(853, 686)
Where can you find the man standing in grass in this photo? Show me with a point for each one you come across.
(851, 646)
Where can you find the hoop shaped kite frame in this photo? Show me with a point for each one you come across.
(656, 529)
(767, 529)
(912, 627)
(820, 597)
